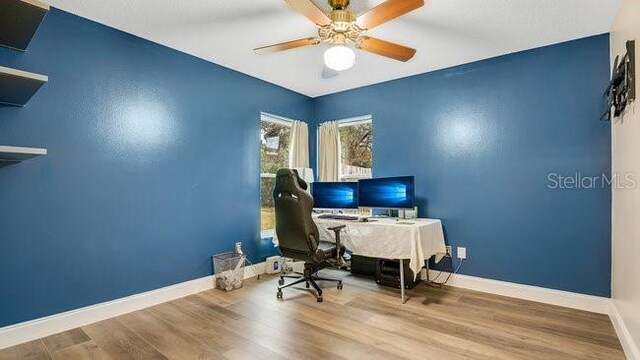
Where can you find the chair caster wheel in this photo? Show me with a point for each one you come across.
(281, 282)
(307, 285)
(319, 298)
(340, 285)
(279, 294)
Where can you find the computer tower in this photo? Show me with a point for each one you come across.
(388, 274)
(364, 265)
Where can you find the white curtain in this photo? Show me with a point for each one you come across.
(299, 150)
(329, 151)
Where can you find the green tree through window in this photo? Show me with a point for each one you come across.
(275, 139)
(357, 150)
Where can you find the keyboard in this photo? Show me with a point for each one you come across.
(337, 217)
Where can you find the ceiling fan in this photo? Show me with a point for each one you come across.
(341, 27)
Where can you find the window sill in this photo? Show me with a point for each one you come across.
(265, 234)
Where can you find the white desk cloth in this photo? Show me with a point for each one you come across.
(389, 239)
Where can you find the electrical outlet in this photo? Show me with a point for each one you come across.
(449, 249)
(462, 253)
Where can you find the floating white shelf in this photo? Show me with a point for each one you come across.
(17, 86)
(19, 20)
(13, 154)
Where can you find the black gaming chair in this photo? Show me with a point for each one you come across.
(298, 234)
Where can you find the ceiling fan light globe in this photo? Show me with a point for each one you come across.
(339, 58)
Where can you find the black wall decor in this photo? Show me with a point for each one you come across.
(622, 88)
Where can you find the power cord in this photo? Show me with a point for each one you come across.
(238, 250)
(434, 282)
(252, 267)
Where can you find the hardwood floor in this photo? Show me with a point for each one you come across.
(361, 321)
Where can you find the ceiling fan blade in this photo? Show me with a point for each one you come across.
(386, 48)
(386, 11)
(286, 46)
(311, 11)
(328, 73)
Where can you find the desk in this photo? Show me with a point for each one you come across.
(414, 239)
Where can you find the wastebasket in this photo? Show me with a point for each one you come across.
(228, 269)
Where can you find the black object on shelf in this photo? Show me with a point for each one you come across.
(19, 21)
(388, 274)
(622, 88)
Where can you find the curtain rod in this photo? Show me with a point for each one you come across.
(275, 119)
(352, 120)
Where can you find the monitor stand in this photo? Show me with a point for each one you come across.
(408, 214)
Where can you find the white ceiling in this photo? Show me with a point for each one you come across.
(445, 33)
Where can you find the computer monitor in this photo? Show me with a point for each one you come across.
(335, 195)
(387, 193)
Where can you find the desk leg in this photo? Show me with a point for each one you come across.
(402, 281)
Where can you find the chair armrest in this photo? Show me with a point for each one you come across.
(336, 230)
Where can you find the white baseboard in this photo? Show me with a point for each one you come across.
(628, 345)
(35, 329)
(568, 299)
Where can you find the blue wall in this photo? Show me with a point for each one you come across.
(153, 166)
(481, 139)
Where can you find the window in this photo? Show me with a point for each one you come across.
(356, 139)
(275, 139)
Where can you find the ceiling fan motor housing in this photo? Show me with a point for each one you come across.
(343, 28)
(342, 16)
(339, 4)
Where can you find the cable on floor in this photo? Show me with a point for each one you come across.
(434, 282)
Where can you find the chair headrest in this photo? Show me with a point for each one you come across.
(289, 178)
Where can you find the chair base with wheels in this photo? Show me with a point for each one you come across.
(309, 277)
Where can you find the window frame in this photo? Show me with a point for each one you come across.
(278, 120)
